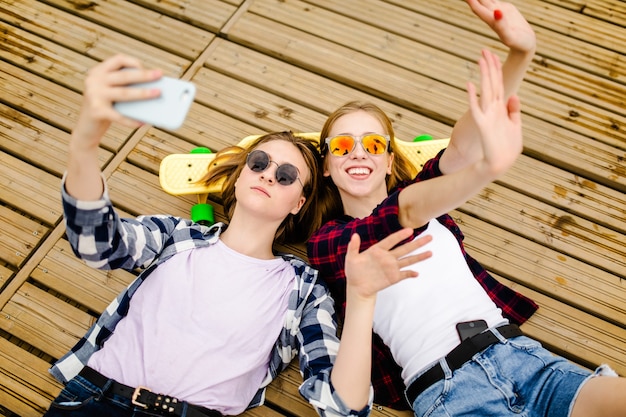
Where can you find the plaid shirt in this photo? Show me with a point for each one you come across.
(105, 241)
(327, 250)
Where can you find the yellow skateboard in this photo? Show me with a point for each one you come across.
(179, 173)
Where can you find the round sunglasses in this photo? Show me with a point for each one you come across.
(286, 174)
(342, 145)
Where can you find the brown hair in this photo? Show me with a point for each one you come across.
(229, 163)
(402, 168)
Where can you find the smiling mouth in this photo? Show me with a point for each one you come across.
(359, 171)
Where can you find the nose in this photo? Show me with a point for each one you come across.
(358, 152)
(269, 174)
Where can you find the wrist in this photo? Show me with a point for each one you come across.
(359, 300)
(525, 54)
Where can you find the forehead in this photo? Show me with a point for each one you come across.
(357, 123)
(283, 152)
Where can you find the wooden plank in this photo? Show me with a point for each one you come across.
(575, 25)
(368, 74)
(206, 14)
(26, 387)
(44, 321)
(569, 37)
(89, 287)
(155, 146)
(19, 236)
(266, 111)
(5, 275)
(75, 34)
(29, 189)
(461, 38)
(553, 228)
(412, 37)
(542, 269)
(283, 393)
(51, 103)
(613, 11)
(570, 112)
(567, 191)
(448, 66)
(576, 153)
(138, 192)
(309, 89)
(36, 142)
(156, 29)
(573, 334)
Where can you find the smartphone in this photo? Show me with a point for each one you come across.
(468, 329)
(167, 111)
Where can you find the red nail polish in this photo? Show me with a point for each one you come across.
(497, 14)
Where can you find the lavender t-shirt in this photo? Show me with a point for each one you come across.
(201, 328)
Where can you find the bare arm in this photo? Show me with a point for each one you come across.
(103, 86)
(498, 122)
(367, 273)
(515, 33)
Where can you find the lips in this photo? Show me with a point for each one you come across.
(262, 190)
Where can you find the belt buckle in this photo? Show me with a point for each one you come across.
(136, 395)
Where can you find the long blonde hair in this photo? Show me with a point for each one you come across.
(402, 169)
(229, 163)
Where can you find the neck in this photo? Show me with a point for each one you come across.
(250, 237)
(361, 206)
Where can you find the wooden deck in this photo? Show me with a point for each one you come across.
(554, 227)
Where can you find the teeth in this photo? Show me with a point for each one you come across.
(358, 171)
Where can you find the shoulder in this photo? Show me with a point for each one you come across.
(301, 268)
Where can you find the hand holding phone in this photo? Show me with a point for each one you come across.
(167, 111)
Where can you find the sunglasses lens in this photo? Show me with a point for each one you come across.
(286, 174)
(374, 144)
(258, 161)
(341, 145)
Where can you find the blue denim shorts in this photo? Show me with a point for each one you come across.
(515, 377)
(80, 398)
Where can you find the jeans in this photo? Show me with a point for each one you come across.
(516, 377)
(80, 398)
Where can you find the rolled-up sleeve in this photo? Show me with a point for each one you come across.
(103, 240)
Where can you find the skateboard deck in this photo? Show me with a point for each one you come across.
(179, 173)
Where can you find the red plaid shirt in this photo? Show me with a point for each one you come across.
(327, 250)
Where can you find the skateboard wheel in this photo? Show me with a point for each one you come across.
(422, 138)
(203, 214)
(201, 149)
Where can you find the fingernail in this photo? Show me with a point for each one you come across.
(497, 14)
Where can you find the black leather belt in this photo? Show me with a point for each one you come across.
(144, 398)
(458, 356)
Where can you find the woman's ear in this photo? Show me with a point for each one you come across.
(390, 163)
(298, 205)
(326, 171)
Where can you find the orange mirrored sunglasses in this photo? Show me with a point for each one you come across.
(342, 145)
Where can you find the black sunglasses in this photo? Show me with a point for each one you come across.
(286, 174)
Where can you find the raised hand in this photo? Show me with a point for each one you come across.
(507, 22)
(104, 85)
(498, 119)
(380, 266)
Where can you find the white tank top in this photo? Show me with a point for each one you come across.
(417, 317)
(201, 328)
